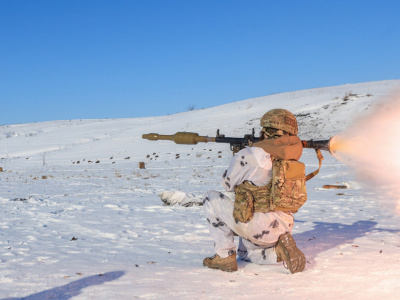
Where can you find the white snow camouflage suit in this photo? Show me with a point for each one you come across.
(258, 236)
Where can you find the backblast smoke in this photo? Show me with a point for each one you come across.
(371, 146)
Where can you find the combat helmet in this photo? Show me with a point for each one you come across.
(280, 119)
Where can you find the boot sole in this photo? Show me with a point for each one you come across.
(224, 268)
(295, 259)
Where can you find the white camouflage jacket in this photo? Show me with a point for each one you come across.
(252, 164)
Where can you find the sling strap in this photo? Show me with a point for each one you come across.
(320, 159)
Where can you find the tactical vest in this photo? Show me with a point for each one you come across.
(286, 190)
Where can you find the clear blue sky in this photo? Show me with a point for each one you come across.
(62, 60)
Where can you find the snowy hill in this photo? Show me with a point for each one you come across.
(79, 219)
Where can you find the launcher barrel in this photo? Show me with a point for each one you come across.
(322, 144)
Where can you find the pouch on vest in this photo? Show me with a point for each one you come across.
(243, 209)
(288, 186)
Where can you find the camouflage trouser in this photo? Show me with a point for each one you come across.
(257, 237)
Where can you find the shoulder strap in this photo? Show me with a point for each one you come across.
(320, 158)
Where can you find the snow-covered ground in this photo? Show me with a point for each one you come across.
(79, 219)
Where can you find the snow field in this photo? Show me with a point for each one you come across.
(98, 230)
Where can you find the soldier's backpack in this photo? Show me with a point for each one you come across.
(285, 192)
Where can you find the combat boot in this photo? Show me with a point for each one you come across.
(228, 264)
(287, 251)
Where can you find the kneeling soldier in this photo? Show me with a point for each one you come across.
(259, 201)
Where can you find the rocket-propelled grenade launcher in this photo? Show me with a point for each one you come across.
(191, 138)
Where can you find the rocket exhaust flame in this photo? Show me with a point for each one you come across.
(338, 145)
(371, 146)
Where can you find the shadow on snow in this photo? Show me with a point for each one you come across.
(74, 288)
(326, 236)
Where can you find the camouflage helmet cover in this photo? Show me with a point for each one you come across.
(280, 119)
